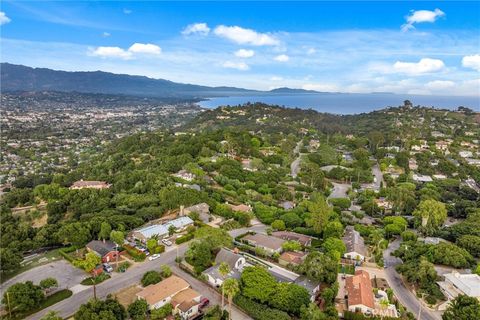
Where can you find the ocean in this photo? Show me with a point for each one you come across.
(343, 103)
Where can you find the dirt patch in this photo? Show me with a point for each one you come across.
(40, 222)
(128, 295)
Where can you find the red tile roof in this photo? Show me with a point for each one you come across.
(359, 289)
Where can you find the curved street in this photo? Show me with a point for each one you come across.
(403, 294)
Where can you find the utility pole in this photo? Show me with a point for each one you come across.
(9, 307)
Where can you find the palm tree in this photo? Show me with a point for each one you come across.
(231, 288)
(384, 303)
(223, 269)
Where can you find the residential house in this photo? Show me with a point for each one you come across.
(202, 209)
(247, 164)
(465, 154)
(313, 287)
(145, 233)
(384, 204)
(179, 224)
(304, 240)
(442, 145)
(287, 205)
(82, 184)
(314, 144)
(186, 303)
(356, 249)
(161, 230)
(268, 243)
(421, 178)
(236, 262)
(291, 258)
(412, 164)
(359, 291)
(185, 175)
(107, 250)
(456, 284)
(241, 208)
(159, 294)
(473, 162)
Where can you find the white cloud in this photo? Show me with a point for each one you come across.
(425, 65)
(282, 58)
(420, 16)
(276, 78)
(106, 34)
(117, 52)
(145, 48)
(127, 11)
(311, 51)
(3, 18)
(111, 52)
(244, 53)
(239, 65)
(196, 28)
(439, 84)
(245, 36)
(322, 87)
(472, 62)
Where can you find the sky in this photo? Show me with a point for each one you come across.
(402, 47)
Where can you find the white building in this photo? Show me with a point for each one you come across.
(456, 284)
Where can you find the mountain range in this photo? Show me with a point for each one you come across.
(23, 78)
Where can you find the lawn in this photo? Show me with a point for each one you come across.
(49, 301)
(39, 260)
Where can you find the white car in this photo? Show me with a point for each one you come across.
(167, 242)
(154, 256)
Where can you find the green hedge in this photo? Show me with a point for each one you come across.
(259, 311)
(136, 254)
(65, 252)
(185, 238)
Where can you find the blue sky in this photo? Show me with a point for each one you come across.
(403, 47)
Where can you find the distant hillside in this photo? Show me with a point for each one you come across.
(22, 78)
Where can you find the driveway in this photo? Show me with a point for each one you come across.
(377, 173)
(339, 190)
(66, 275)
(403, 294)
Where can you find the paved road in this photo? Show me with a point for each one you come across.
(295, 166)
(339, 190)
(66, 275)
(133, 275)
(377, 173)
(405, 296)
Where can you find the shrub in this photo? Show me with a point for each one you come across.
(159, 249)
(165, 271)
(151, 277)
(184, 238)
(161, 313)
(259, 311)
(95, 280)
(136, 254)
(343, 203)
(409, 236)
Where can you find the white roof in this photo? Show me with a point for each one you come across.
(152, 230)
(179, 223)
(162, 229)
(467, 283)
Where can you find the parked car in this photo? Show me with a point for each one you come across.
(167, 242)
(154, 256)
(108, 268)
(203, 303)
